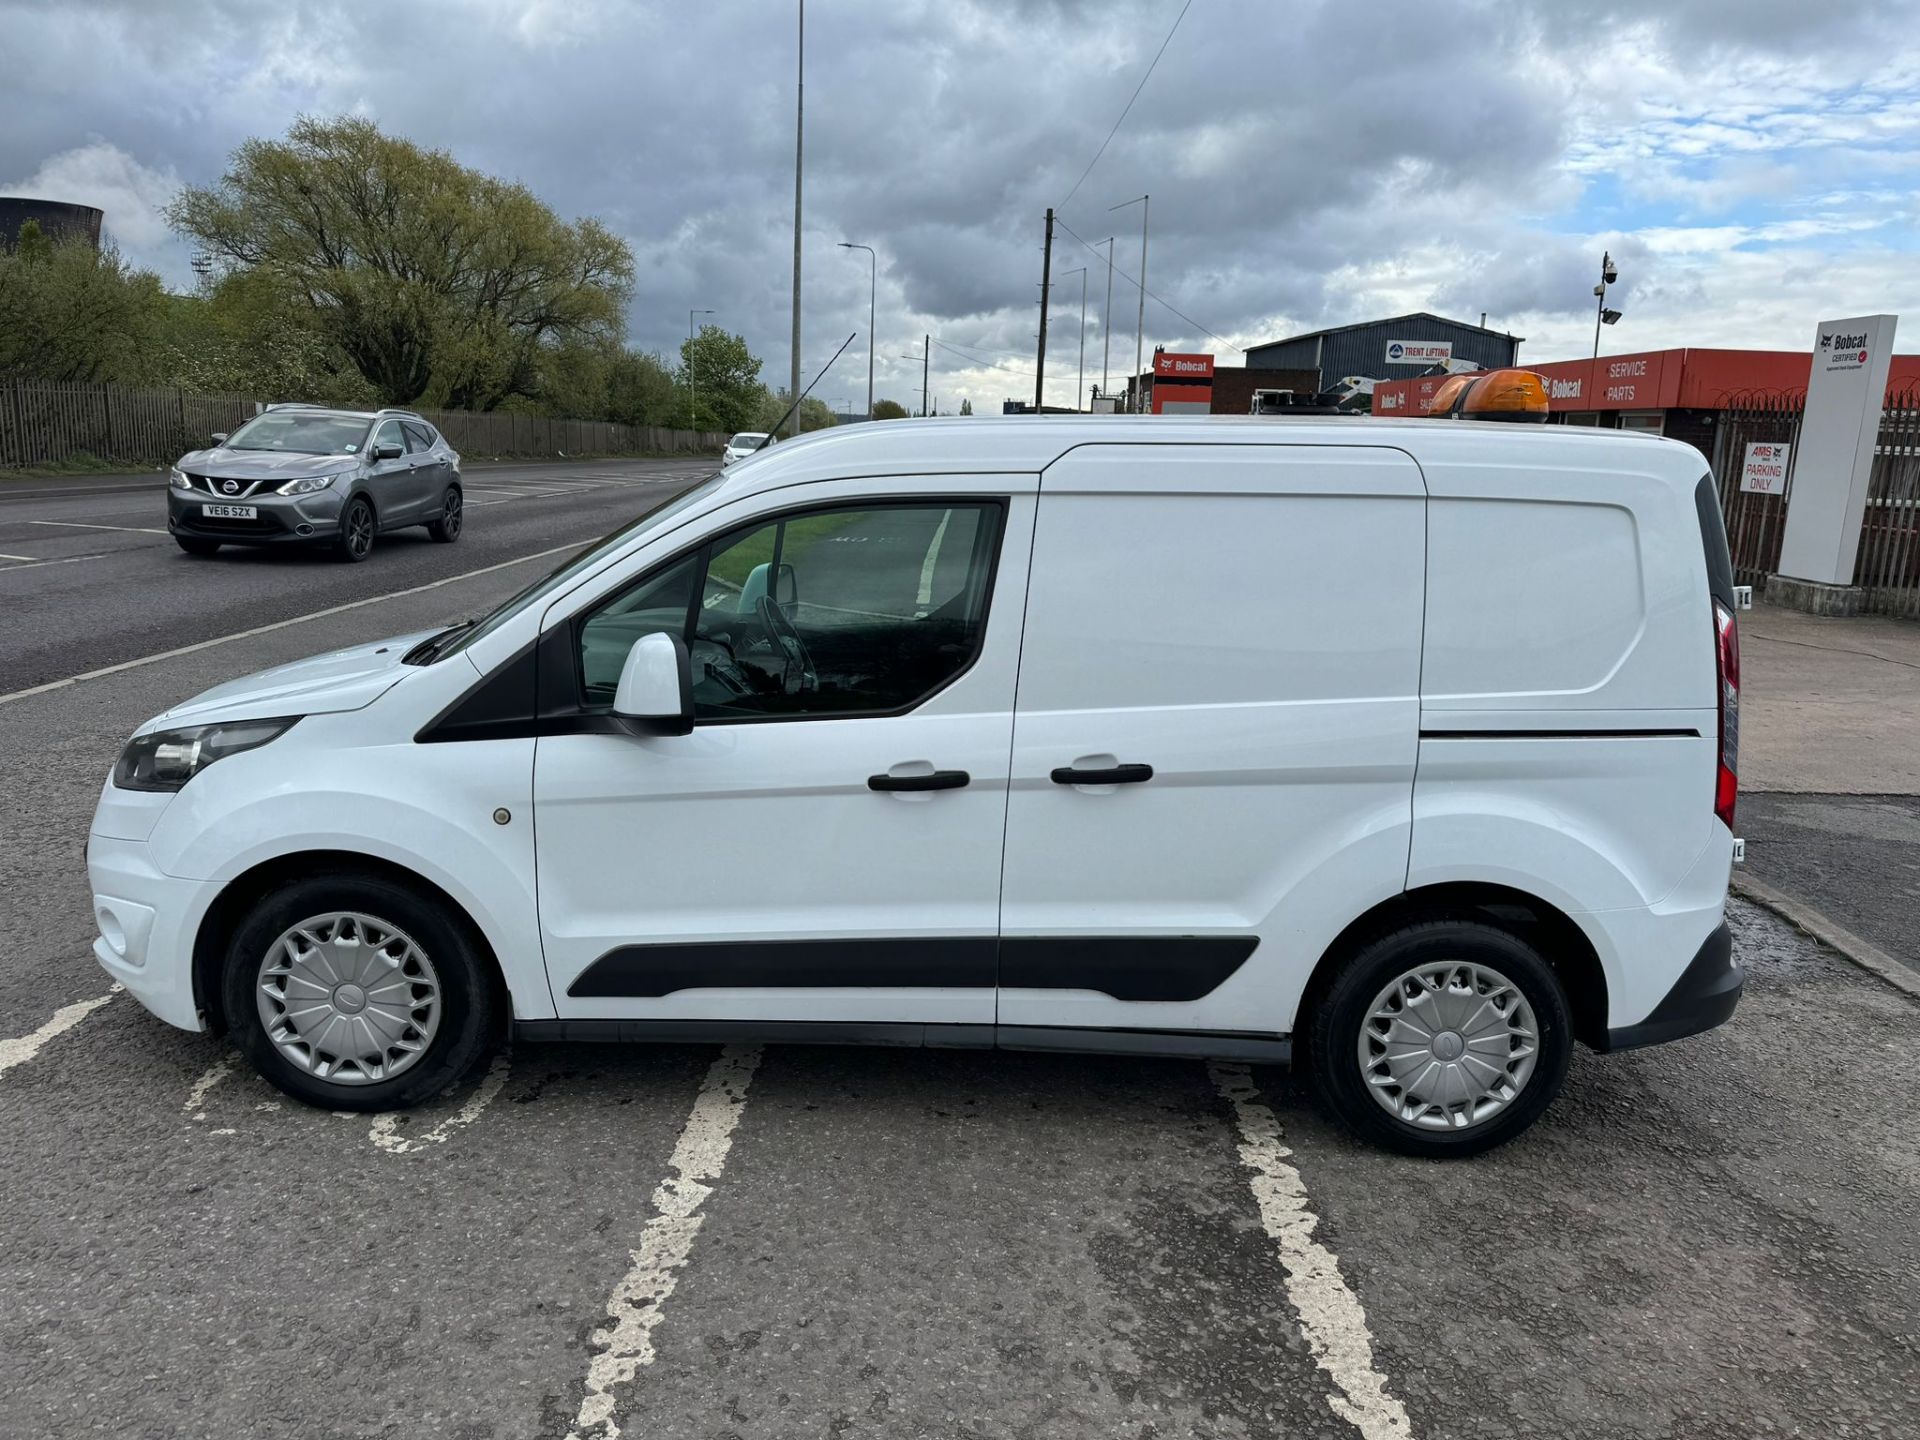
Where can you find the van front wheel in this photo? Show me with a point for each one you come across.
(353, 992)
(1444, 1038)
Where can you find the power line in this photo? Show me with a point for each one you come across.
(1123, 114)
(982, 364)
(1164, 304)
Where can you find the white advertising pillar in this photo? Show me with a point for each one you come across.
(1833, 462)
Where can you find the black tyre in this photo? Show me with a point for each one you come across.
(453, 514)
(355, 541)
(197, 547)
(1444, 1038)
(352, 992)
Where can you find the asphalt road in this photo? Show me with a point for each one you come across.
(87, 567)
(1855, 858)
(1719, 1238)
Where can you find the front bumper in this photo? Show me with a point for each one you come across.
(1704, 996)
(147, 922)
(283, 519)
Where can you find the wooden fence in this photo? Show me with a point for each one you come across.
(52, 424)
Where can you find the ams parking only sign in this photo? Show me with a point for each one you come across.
(1764, 471)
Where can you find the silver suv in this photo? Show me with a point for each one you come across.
(303, 474)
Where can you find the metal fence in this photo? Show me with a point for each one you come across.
(1888, 564)
(1755, 522)
(43, 423)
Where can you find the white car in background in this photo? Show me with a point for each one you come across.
(741, 446)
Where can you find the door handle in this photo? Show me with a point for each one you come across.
(1115, 775)
(938, 780)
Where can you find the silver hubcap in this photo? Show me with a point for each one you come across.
(349, 998)
(359, 529)
(1449, 1046)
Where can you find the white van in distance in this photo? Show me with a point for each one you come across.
(1402, 750)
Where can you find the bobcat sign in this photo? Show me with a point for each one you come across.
(1845, 393)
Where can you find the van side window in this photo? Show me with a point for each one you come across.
(844, 612)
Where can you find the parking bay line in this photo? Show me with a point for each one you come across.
(83, 525)
(106, 670)
(638, 1301)
(23, 1048)
(1331, 1319)
(385, 1132)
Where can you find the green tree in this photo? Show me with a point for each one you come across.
(722, 377)
(242, 333)
(71, 312)
(966, 407)
(889, 410)
(433, 279)
(815, 414)
(640, 389)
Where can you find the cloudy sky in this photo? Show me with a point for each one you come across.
(1752, 164)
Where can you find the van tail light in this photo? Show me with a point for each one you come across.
(1726, 648)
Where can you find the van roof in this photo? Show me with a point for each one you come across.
(1029, 443)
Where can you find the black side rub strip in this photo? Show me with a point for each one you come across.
(1126, 967)
(1687, 734)
(650, 971)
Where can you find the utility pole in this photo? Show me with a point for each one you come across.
(1080, 390)
(1137, 390)
(1106, 320)
(1046, 283)
(799, 150)
(926, 355)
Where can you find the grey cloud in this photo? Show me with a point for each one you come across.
(1285, 147)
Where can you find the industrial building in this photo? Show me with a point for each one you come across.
(56, 219)
(1392, 349)
(1680, 393)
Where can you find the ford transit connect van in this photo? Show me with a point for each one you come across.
(1401, 750)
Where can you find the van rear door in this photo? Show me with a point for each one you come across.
(1214, 733)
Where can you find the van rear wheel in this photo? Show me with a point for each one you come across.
(1444, 1038)
(353, 992)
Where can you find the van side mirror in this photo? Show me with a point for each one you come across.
(219, 437)
(655, 696)
(786, 588)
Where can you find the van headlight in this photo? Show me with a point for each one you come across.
(168, 759)
(307, 484)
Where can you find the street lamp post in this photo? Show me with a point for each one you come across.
(799, 145)
(1604, 316)
(1106, 320)
(1140, 323)
(693, 419)
(1080, 395)
(873, 291)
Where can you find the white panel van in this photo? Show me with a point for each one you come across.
(1401, 750)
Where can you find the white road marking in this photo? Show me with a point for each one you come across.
(24, 1047)
(281, 624)
(1331, 1319)
(639, 1300)
(16, 557)
(386, 1128)
(36, 564)
(215, 1073)
(83, 525)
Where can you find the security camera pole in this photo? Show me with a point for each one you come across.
(1608, 275)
